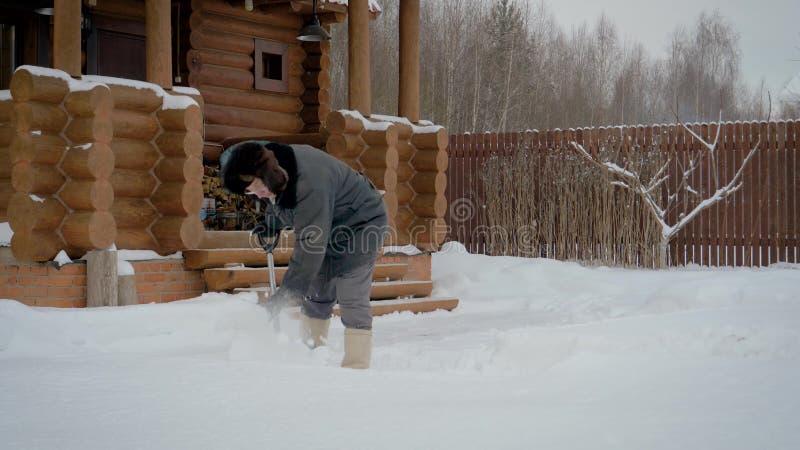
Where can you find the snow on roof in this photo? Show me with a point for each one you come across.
(374, 7)
(423, 127)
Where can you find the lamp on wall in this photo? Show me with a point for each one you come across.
(313, 31)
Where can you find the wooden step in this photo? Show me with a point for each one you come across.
(380, 289)
(239, 277)
(207, 258)
(239, 239)
(415, 305)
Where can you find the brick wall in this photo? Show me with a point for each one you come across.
(419, 266)
(43, 284)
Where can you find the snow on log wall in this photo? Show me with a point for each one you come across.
(102, 161)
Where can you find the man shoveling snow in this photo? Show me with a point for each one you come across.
(340, 222)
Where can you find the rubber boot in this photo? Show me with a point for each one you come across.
(357, 348)
(314, 331)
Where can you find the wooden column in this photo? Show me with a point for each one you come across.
(67, 36)
(158, 45)
(408, 95)
(358, 57)
(102, 288)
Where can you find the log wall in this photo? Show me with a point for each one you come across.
(101, 161)
(407, 161)
(221, 67)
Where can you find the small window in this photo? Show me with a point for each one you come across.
(271, 66)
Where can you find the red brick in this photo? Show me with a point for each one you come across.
(74, 291)
(149, 298)
(9, 269)
(73, 269)
(26, 301)
(150, 278)
(32, 269)
(81, 303)
(12, 292)
(59, 281)
(146, 288)
(79, 280)
(36, 291)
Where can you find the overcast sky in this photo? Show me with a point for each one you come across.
(769, 30)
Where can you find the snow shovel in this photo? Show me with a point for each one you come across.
(269, 247)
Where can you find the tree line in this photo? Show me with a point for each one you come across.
(506, 65)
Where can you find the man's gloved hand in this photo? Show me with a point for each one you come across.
(281, 299)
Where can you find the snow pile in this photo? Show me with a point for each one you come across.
(5, 234)
(540, 354)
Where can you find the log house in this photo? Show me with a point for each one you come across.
(105, 130)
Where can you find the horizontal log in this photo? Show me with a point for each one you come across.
(316, 80)
(345, 145)
(224, 8)
(218, 133)
(38, 116)
(7, 134)
(260, 100)
(404, 217)
(189, 119)
(175, 233)
(274, 32)
(215, 40)
(404, 172)
(27, 214)
(134, 98)
(382, 179)
(199, 58)
(380, 137)
(429, 205)
(317, 48)
(379, 157)
(195, 259)
(5, 163)
(222, 279)
(317, 62)
(430, 160)
(412, 305)
(39, 245)
(96, 162)
(430, 141)
(134, 154)
(315, 113)
(180, 169)
(133, 213)
(223, 77)
(428, 234)
(429, 182)
(250, 118)
(96, 101)
(240, 239)
(6, 111)
(404, 193)
(340, 123)
(90, 129)
(180, 143)
(405, 151)
(120, 8)
(134, 125)
(89, 230)
(178, 199)
(133, 183)
(211, 153)
(41, 148)
(316, 97)
(88, 195)
(36, 178)
(296, 70)
(135, 239)
(395, 289)
(296, 87)
(6, 192)
(27, 87)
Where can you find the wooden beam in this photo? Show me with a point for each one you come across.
(158, 44)
(360, 97)
(67, 36)
(414, 305)
(202, 259)
(222, 279)
(408, 93)
(101, 278)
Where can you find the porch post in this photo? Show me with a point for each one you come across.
(158, 42)
(360, 97)
(67, 36)
(408, 94)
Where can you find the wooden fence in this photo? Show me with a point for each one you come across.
(757, 226)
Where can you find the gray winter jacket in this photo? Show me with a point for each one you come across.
(335, 211)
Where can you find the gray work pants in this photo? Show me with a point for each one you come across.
(350, 288)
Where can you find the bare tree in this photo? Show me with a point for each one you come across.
(659, 196)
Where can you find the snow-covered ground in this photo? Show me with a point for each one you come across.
(540, 354)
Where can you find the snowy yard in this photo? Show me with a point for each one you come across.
(540, 354)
